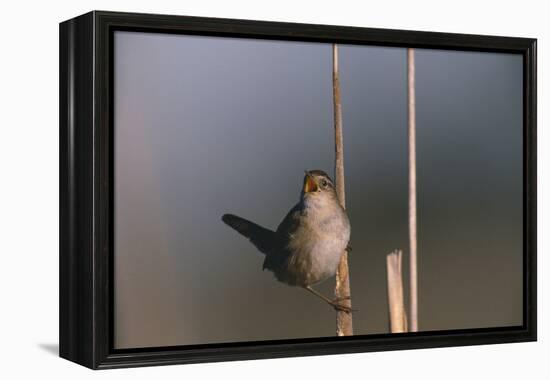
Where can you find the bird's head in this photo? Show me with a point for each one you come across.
(317, 183)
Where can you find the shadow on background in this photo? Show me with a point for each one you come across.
(52, 348)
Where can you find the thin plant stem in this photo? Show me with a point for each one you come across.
(413, 274)
(396, 300)
(344, 322)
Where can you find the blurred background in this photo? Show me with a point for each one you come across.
(205, 126)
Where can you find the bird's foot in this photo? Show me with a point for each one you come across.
(338, 304)
(341, 307)
(335, 303)
(339, 299)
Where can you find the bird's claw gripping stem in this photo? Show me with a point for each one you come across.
(344, 308)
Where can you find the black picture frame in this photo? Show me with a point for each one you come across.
(86, 191)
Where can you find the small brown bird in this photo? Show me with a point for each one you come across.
(308, 244)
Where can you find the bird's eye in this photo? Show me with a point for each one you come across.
(324, 183)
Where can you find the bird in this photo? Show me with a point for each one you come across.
(308, 244)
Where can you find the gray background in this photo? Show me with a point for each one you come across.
(205, 126)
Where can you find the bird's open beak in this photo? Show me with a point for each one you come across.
(309, 184)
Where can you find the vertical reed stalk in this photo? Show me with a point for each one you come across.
(344, 323)
(413, 275)
(396, 299)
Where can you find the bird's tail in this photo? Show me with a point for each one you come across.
(261, 237)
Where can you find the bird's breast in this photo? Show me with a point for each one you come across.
(316, 248)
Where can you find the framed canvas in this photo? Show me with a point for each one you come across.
(236, 189)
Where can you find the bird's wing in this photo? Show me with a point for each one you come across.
(291, 222)
(261, 237)
(286, 229)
